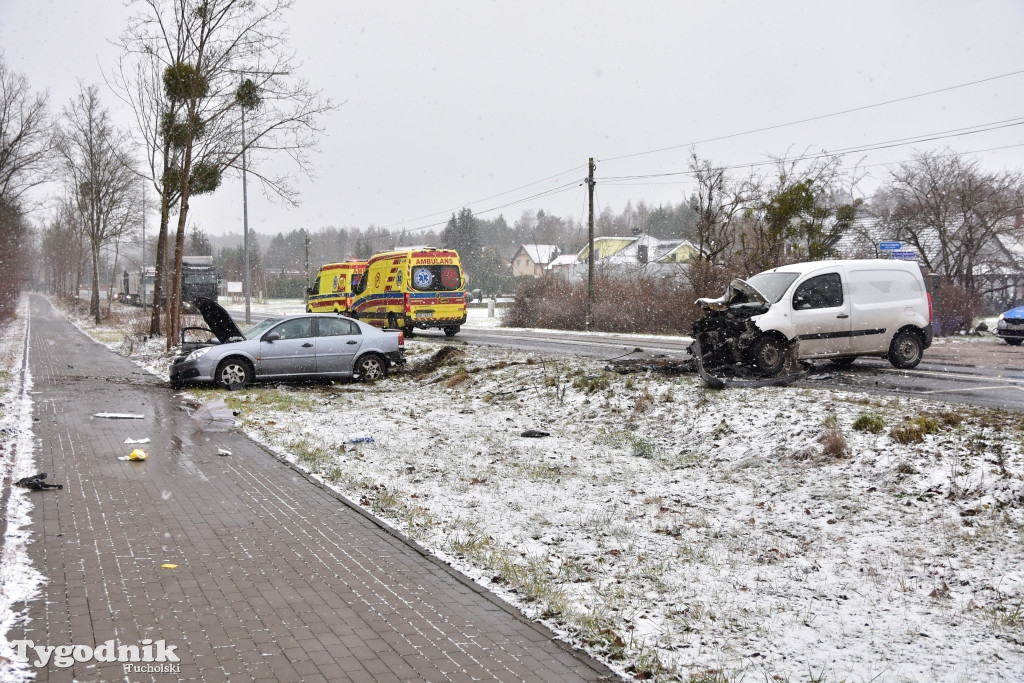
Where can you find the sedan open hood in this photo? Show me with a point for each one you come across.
(218, 320)
(736, 289)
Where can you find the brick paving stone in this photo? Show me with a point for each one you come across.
(277, 579)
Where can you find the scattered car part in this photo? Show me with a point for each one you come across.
(36, 483)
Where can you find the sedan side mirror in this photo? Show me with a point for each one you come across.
(272, 337)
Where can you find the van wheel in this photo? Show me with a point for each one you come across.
(768, 354)
(371, 368)
(906, 350)
(1014, 342)
(452, 330)
(233, 373)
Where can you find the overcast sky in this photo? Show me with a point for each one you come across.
(486, 103)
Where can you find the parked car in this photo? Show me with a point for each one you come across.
(306, 346)
(1011, 326)
(835, 310)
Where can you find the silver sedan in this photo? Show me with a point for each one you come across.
(295, 347)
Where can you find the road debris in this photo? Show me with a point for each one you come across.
(120, 416)
(214, 416)
(36, 483)
(137, 454)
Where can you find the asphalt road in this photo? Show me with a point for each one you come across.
(980, 371)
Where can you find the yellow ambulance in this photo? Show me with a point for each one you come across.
(408, 288)
(331, 292)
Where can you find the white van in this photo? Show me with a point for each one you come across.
(834, 310)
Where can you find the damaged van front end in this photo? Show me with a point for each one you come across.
(731, 349)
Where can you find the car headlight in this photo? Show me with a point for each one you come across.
(198, 353)
(1001, 317)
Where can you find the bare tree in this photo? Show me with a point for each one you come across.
(229, 96)
(952, 212)
(798, 213)
(25, 152)
(25, 139)
(97, 169)
(719, 202)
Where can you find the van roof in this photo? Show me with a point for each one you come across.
(876, 264)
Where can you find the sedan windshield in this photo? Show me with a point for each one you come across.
(772, 285)
(259, 328)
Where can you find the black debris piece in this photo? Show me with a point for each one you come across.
(534, 433)
(36, 483)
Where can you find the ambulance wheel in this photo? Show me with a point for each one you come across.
(233, 373)
(452, 330)
(371, 368)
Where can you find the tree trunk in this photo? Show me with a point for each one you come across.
(161, 267)
(94, 299)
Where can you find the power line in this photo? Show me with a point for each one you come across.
(485, 199)
(547, 193)
(817, 118)
(927, 137)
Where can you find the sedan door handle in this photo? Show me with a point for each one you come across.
(307, 345)
(351, 341)
(842, 315)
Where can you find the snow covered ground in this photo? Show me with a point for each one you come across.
(19, 580)
(677, 532)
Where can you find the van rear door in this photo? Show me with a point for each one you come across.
(821, 315)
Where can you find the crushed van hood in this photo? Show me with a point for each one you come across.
(738, 291)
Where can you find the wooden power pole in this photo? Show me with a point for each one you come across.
(590, 251)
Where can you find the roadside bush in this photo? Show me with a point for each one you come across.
(659, 306)
(955, 309)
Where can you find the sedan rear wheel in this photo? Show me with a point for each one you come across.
(371, 368)
(233, 373)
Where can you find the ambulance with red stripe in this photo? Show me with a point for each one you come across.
(419, 287)
(331, 292)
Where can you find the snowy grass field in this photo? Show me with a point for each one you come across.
(679, 533)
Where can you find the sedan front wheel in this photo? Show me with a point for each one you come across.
(233, 373)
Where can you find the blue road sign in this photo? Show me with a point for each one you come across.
(907, 255)
(890, 246)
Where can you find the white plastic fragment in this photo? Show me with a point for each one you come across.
(145, 440)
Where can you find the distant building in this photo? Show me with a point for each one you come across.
(531, 259)
(639, 255)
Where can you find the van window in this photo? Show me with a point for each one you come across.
(820, 291)
(884, 286)
(436, 278)
(336, 327)
(772, 285)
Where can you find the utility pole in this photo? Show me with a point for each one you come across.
(590, 251)
(306, 294)
(245, 228)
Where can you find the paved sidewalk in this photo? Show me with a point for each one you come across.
(276, 579)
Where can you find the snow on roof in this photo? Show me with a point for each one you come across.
(540, 254)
